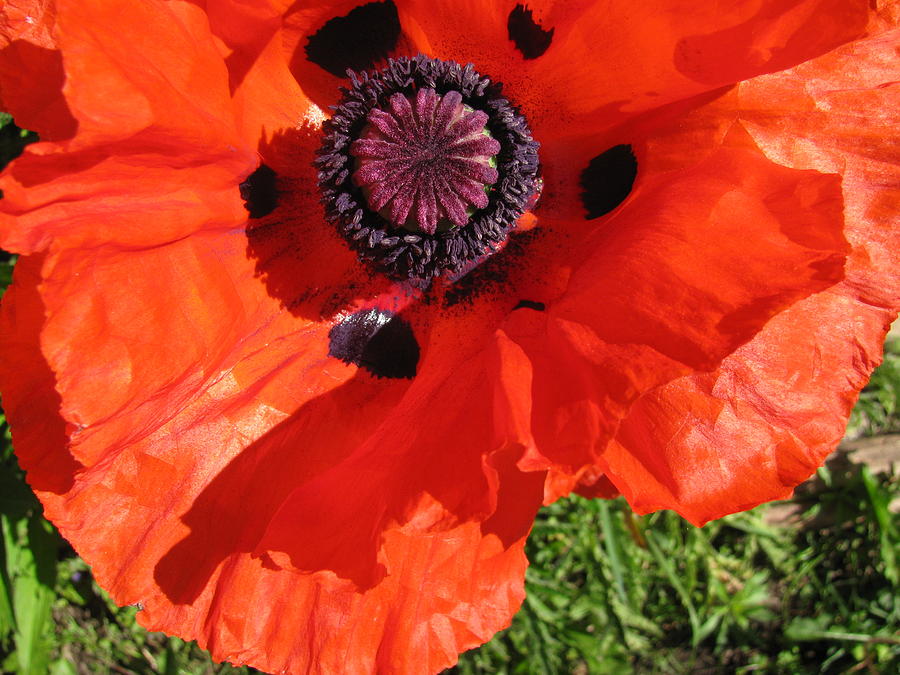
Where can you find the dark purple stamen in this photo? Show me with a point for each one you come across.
(408, 176)
(425, 160)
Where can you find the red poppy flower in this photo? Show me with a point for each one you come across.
(309, 462)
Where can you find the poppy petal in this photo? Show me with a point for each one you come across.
(709, 445)
(694, 227)
(32, 402)
(840, 124)
(322, 39)
(28, 53)
(429, 560)
(357, 41)
(268, 99)
(772, 412)
(833, 126)
(133, 134)
(183, 85)
(44, 202)
(31, 20)
(673, 50)
(691, 267)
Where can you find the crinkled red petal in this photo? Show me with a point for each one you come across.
(212, 433)
(268, 99)
(709, 445)
(834, 114)
(609, 61)
(690, 268)
(28, 54)
(164, 137)
(190, 450)
(763, 421)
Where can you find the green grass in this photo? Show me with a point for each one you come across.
(608, 591)
(612, 592)
(878, 408)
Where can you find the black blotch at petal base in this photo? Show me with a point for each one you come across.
(357, 41)
(527, 34)
(259, 192)
(531, 304)
(608, 180)
(378, 341)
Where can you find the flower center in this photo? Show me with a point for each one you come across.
(424, 161)
(425, 168)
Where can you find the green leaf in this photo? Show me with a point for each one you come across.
(880, 500)
(7, 614)
(32, 547)
(675, 580)
(16, 498)
(62, 667)
(610, 538)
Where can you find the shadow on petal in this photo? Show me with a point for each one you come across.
(320, 490)
(29, 386)
(233, 512)
(40, 108)
(301, 258)
(769, 41)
